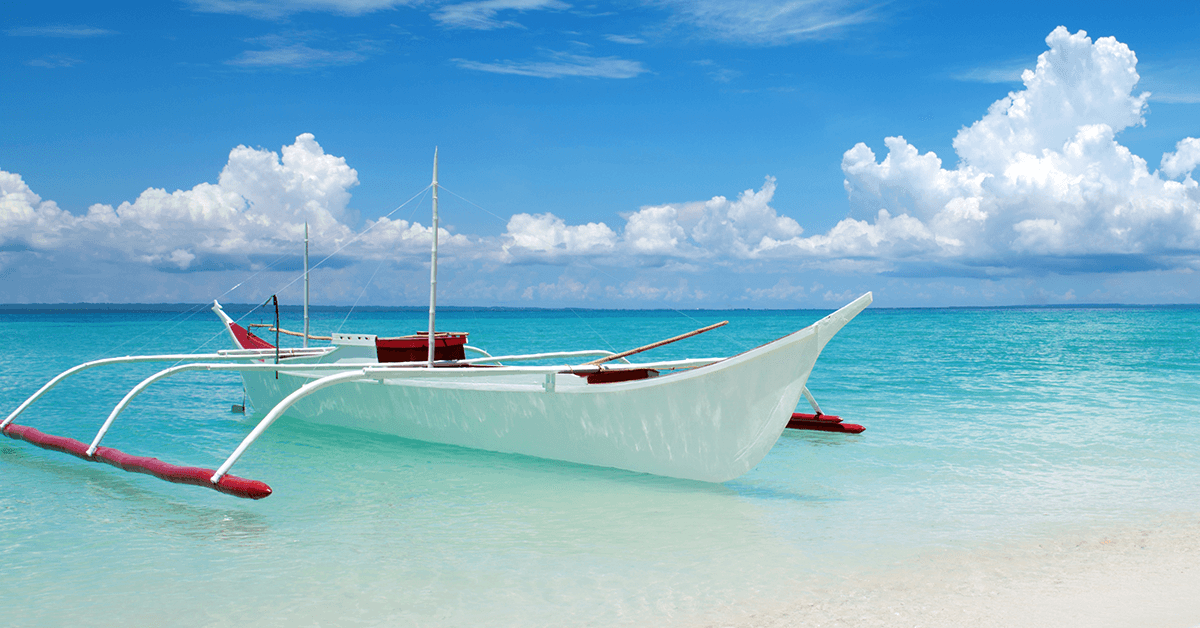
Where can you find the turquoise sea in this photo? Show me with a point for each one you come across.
(988, 431)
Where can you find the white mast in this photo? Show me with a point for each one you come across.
(433, 262)
(306, 284)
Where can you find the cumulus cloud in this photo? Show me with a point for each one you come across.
(690, 236)
(1041, 177)
(1184, 160)
(716, 229)
(26, 220)
(257, 207)
(1042, 185)
(546, 237)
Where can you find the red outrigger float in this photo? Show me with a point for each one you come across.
(822, 423)
(196, 476)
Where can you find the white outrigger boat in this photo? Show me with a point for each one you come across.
(708, 419)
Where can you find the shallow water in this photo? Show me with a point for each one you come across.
(986, 429)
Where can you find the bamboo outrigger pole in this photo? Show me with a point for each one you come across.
(660, 343)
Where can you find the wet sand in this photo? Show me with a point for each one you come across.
(1146, 577)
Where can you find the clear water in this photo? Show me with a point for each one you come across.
(988, 428)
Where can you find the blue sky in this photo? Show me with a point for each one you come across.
(670, 153)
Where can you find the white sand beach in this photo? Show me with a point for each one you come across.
(1145, 577)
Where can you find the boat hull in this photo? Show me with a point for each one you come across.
(712, 423)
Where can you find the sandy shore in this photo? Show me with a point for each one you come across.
(1133, 577)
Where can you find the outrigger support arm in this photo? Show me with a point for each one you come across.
(812, 402)
(237, 354)
(137, 390)
(278, 411)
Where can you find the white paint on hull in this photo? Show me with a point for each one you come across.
(712, 423)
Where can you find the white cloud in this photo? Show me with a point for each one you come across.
(59, 30)
(1173, 80)
(546, 237)
(714, 229)
(562, 65)
(655, 231)
(1184, 160)
(754, 22)
(1076, 83)
(718, 73)
(256, 210)
(625, 39)
(839, 297)
(645, 290)
(276, 9)
(481, 15)
(296, 56)
(292, 50)
(1042, 185)
(1005, 73)
(769, 22)
(258, 206)
(565, 289)
(1041, 177)
(27, 220)
(55, 61)
(783, 290)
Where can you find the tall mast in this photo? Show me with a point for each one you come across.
(306, 284)
(433, 262)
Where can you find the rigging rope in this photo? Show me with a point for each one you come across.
(550, 245)
(190, 312)
(357, 237)
(378, 266)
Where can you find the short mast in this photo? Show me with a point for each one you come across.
(306, 284)
(433, 263)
